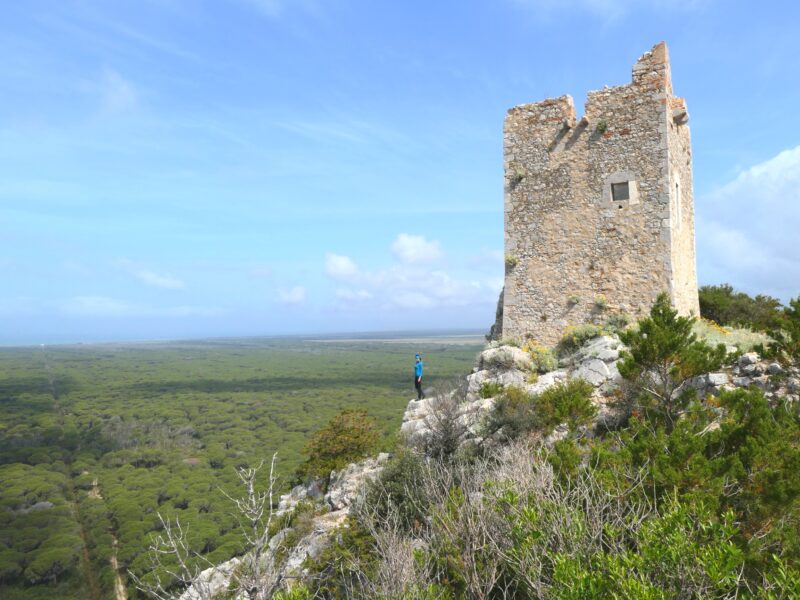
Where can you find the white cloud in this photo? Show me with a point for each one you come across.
(349, 294)
(150, 277)
(415, 249)
(164, 280)
(293, 296)
(340, 267)
(747, 229)
(411, 282)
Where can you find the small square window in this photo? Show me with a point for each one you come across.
(620, 191)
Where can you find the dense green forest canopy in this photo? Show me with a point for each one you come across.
(95, 440)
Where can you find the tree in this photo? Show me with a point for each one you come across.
(662, 355)
(349, 436)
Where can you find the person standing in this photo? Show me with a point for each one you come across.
(418, 377)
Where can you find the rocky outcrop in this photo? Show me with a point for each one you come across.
(503, 366)
(496, 368)
(286, 553)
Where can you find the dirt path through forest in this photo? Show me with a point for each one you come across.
(92, 582)
(119, 586)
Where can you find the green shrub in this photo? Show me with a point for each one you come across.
(724, 305)
(296, 592)
(575, 337)
(602, 126)
(348, 437)
(511, 341)
(786, 340)
(543, 360)
(662, 354)
(568, 402)
(511, 261)
(398, 491)
(512, 413)
(490, 389)
(516, 412)
(505, 358)
(617, 322)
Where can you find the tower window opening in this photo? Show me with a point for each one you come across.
(620, 191)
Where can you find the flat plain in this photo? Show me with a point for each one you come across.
(97, 440)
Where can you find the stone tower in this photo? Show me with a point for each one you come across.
(599, 212)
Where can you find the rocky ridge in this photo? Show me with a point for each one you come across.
(496, 367)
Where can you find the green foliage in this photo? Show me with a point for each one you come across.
(161, 427)
(724, 305)
(575, 337)
(342, 564)
(348, 437)
(543, 359)
(667, 555)
(517, 413)
(602, 126)
(490, 389)
(398, 492)
(510, 341)
(617, 322)
(511, 261)
(568, 403)
(663, 352)
(296, 592)
(749, 465)
(786, 344)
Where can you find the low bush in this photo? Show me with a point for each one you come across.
(348, 437)
(617, 322)
(577, 336)
(568, 403)
(543, 359)
(516, 412)
(490, 389)
(398, 492)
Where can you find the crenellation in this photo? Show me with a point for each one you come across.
(599, 208)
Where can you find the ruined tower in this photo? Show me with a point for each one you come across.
(599, 212)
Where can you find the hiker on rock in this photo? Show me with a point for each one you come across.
(418, 377)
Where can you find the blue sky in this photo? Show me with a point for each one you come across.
(175, 168)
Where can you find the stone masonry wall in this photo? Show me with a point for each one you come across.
(573, 255)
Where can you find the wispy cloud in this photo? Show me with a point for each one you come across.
(292, 296)
(606, 9)
(747, 229)
(104, 306)
(151, 278)
(117, 94)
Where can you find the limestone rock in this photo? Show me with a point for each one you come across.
(345, 485)
(594, 371)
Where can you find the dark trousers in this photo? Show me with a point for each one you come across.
(418, 385)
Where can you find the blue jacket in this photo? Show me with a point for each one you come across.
(418, 369)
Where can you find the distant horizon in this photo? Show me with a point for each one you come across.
(371, 335)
